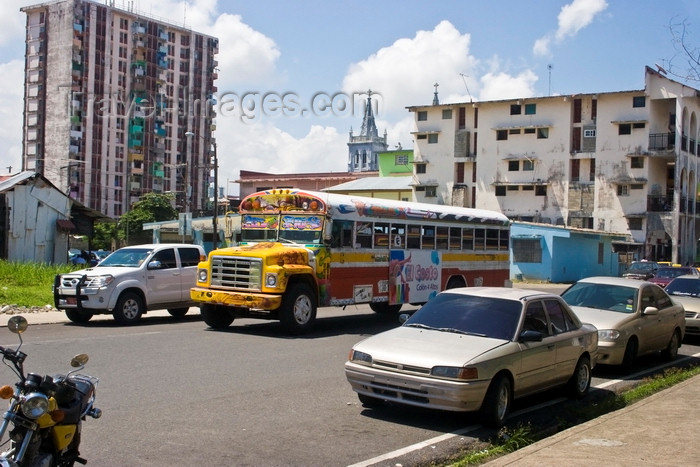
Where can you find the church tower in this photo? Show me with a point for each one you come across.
(363, 148)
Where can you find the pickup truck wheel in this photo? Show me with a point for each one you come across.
(216, 317)
(78, 316)
(129, 308)
(178, 312)
(298, 310)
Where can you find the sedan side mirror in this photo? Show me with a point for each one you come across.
(651, 311)
(531, 336)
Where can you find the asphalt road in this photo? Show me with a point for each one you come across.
(176, 393)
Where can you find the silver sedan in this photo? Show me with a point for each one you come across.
(476, 349)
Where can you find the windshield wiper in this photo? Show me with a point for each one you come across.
(459, 331)
(421, 326)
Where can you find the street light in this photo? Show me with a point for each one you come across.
(214, 220)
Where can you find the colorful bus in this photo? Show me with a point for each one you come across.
(301, 250)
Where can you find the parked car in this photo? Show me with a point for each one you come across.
(476, 349)
(641, 270)
(131, 281)
(633, 318)
(666, 274)
(686, 291)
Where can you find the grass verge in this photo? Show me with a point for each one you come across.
(28, 284)
(508, 439)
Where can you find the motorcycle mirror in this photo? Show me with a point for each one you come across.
(79, 360)
(17, 324)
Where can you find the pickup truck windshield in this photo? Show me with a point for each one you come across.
(127, 258)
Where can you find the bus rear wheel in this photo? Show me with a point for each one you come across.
(298, 310)
(383, 308)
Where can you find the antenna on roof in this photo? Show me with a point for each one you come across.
(465, 85)
(549, 69)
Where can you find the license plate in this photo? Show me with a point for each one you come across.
(71, 301)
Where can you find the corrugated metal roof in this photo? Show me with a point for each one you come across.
(373, 184)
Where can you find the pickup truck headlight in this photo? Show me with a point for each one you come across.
(100, 281)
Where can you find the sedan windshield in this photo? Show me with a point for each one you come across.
(682, 286)
(483, 316)
(128, 258)
(670, 273)
(602, 296)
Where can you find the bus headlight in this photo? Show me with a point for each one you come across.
(202, 275)
(271, 279)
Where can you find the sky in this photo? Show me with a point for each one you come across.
(294, 75)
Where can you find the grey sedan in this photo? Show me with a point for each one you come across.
(476, 349)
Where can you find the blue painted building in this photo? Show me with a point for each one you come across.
(562, 254)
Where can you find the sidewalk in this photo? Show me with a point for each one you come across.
(660, 430)
(53, 317)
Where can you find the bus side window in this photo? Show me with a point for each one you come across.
(492, 239)
(455, 238)
(413, 238)
(479, 239)
(442, 238)
(341, 234)
(428, 240)
(468, 239)
(398, 236)
(381, 235)
(363, 235)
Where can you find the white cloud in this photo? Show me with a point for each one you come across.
(572, 18)
(499, 85)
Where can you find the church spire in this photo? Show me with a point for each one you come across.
(369, 128)
(436, 101)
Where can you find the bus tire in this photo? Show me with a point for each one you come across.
(216, 317)
(383, 308)
(298, 310)
(455, 282)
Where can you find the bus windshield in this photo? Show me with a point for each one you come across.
(296, 228)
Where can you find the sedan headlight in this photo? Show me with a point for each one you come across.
(454, 372)
(202, 275)
(360, 357)
(34, 405)
(608, 335)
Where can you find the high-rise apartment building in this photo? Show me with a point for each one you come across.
(118, 104)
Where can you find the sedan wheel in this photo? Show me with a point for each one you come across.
(496, 405)
(671, 352)
(581, 379)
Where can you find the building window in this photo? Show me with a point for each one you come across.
(432, 138)
(513, 188)
(423, 136)
(528, 165)
(623, 190)
(542, 133)
(422, 115)
(514, 131)
(447, 114)
(513, 166)
(589, 133)
(637, 186)
(639, 101)
(637, 163)
(624, 129)
(500, 190)
(401, 159)
(420, 168)
(501, 135)
(635, 223)
(527, 250)
(528, 188)
(529, 131)
(530, 109)
(541, 190)
(639, 125)
(430, 191)
(515, 109)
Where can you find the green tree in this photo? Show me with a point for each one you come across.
(152, 207)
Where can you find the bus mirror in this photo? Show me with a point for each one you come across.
(327, 231)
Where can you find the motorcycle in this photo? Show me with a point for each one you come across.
(45, 415)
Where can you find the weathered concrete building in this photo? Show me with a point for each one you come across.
(117, 104)
(621, 162)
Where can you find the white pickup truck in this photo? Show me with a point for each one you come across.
(130, 282)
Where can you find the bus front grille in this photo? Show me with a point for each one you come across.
(235, 272)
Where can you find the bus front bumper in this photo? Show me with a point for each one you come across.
(236, 299)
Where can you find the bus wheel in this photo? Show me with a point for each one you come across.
(298, 310)
(216, 317)
(455, 282)
(383, 308)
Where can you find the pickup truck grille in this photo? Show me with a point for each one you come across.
(236, 273)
